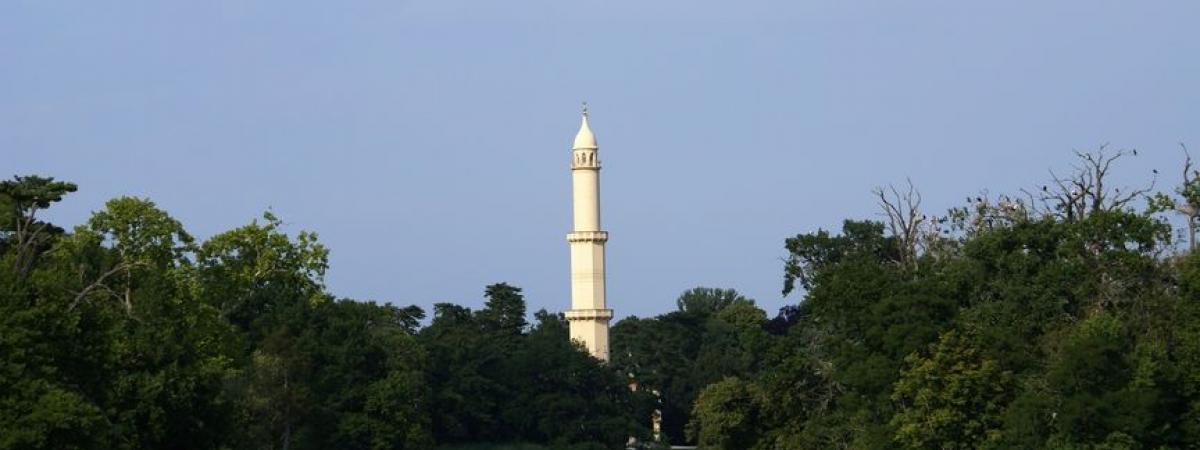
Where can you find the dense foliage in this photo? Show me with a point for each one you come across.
(1066, 319)
(127, 333)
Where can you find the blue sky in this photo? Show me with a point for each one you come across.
(427, 142)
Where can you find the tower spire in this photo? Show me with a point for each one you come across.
(585, 139)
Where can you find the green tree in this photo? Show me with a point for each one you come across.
(462, 367)
(564, 396)
(173, 352)
(55, 360)
(704, 301)
(22, 198)
(145, 239)
(727, 415)
(713, 334)
(495, 380)
(951, 399)
(258, 278)
(504, 311)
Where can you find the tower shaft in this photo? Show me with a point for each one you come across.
(589, 314)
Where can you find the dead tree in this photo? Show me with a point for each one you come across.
(1188, 204)
(1190, 191)
(904, 220)
(1086, 191)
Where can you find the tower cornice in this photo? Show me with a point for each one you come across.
(587, 236)
(589, 314)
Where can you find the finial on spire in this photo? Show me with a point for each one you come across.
(585, 138)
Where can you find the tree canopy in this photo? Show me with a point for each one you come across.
(1061, 317)
(128, 333)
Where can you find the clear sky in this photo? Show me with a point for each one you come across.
(427, 142)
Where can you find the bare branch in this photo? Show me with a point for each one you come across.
(1087, 190)
(99, 283)
(904, 219)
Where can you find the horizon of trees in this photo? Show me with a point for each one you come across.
(1060, 317)
(127, 333)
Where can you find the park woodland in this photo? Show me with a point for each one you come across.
(1064, 315)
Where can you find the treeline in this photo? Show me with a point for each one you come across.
(1064, 317)
(127, 333)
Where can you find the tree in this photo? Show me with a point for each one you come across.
(714, 333)
(564, 396)
(1188, 202)
(905, 221)
(150, 380)
(504, 312)
(143, 237)
(174, 354)
(809, 253)
(395, 412)
(50, 417)
(659, 354)
(27, 236)
(370, 391)
(54, 361)
(463, 407)
(257, 277)
(276, 395)
(727, 416)
(495, 380)
(952, 399)
(704, 301)
(1087, 190)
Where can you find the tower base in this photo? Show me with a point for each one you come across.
(590, 328)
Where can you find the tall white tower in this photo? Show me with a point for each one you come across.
(589, 315)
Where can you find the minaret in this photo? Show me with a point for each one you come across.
(589, 315)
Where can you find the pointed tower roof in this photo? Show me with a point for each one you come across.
(585, 138)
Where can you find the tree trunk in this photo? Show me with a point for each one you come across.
(287, 413)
